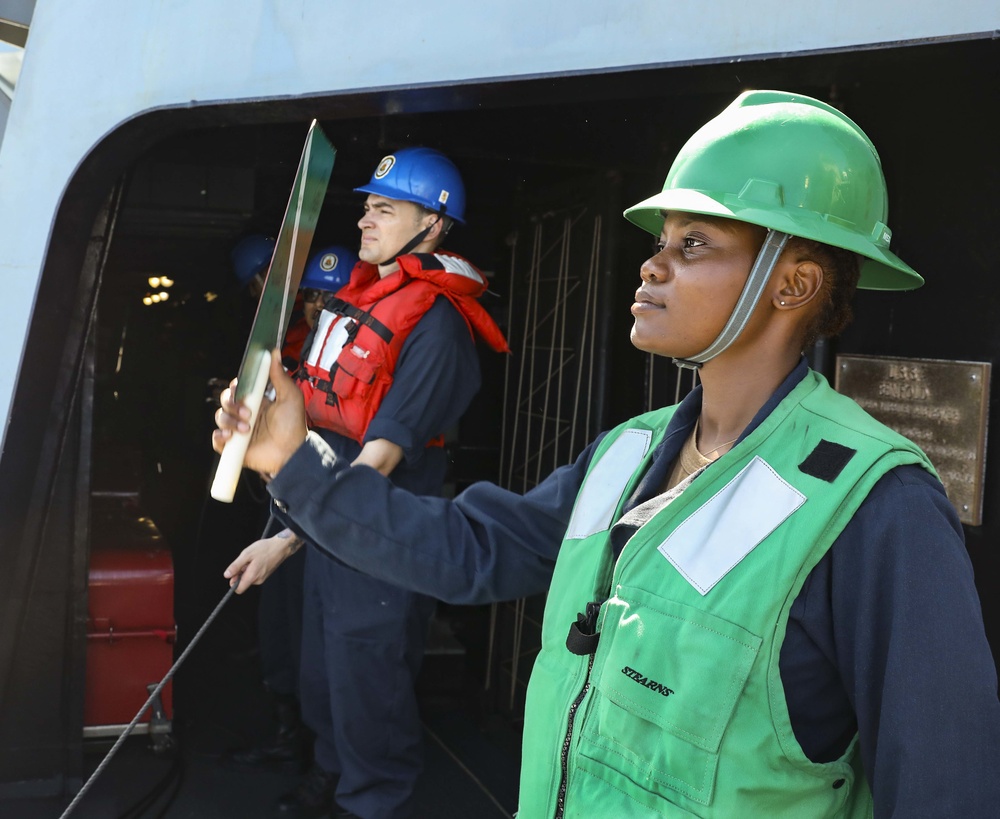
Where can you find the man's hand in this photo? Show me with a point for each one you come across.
(281, 424)
(258, 561)
(381, 454)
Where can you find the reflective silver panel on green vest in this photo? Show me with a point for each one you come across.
(602, 490)
(717, 536)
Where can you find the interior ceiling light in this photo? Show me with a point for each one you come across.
(155, 298)
(164, 295)
(166, 281)
(147, 300)
(154, 281)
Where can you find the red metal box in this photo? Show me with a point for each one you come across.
(130, 624)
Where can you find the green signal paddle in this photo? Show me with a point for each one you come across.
(291, 251)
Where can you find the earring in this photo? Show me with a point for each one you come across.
(781, 303)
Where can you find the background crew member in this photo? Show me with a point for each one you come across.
(762, 604)
(391, 366)
(326, 272)
(279, 612)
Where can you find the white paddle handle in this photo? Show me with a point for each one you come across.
(227, 474)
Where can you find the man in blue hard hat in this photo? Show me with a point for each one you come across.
(327, 271)
(250, 257)
(389, 367)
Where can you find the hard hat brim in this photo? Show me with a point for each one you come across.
(880, 269)
(392, 192)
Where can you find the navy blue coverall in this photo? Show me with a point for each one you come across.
(363, 638)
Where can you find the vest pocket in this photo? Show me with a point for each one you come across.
(356, 369)
(666, 682)
(616, 795)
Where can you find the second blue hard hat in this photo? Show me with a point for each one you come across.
(329, 269)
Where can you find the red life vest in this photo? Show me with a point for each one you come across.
(362, 329)
(295, 339)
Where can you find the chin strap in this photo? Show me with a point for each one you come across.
(760, 273)
(416, 240)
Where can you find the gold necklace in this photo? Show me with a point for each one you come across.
(709, 453)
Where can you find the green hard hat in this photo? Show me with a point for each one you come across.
(790, 163)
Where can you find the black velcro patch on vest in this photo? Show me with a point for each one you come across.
(827, 460)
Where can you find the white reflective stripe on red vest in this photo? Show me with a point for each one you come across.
(460, 267)
(331, 335)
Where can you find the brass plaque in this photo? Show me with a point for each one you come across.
(942, 406)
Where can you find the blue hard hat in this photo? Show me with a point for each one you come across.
(251, 255)
(329, 269)
(423, 176)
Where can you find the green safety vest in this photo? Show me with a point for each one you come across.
(681, 711)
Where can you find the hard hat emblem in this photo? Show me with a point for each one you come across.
(328, 262)
(443, 197)
(385, 166)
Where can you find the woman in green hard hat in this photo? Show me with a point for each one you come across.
(760, 602)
